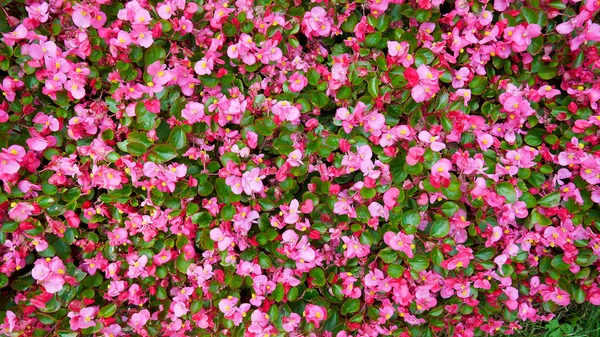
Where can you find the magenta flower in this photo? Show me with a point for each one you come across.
(136, 268)
(485, 141)
(295, 158)
(227, 305)
(315, 314)
(353, 248)
(427, 84)
(316, 23)
(165, 10)
(139, 320)
(223, 241)
(432, 140)
(82, 17)
(297, 82)
(400, 242)
(441, 168)
(83, 319)
(193, 112)
(50, 274)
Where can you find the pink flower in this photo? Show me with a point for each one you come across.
(8, 165)
(390, 196)
(123, 40)
(316, 23)
(223, 241)
(49, 274)
(165, 10)
(295, 158)
(462, 75)
(137, 266)
(290, 214)
(38, 11)
(145, 39)
(286, 111)
(297, 82)
(81, 17)
(227, 305)
(353, 248)
(400, 242)
(465, 93)
(428, 138)
(193, 112)
(204, 66)
(252, 181)
(20, 211)
(142, 17)
(427, 84)
(76, 89)
(560, 297)
(315, 314)
(48, 122)
(83, 319)
(291, 323)
(18, 34)
(139, 319)
(441, 168)
(414, 156)
(378, 7)
(485, 141)
(548, 92)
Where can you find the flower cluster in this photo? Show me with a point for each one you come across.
(297, 168)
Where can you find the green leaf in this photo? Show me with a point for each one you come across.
(313, 77)
(388, 255)
(395, 270)
(534, 137)
(411, 218)
(437, 257)
(537, 218)
(153, 54)
(485, 254)
(478, 85)
(182, 264)
(508, 191)
(547, 73)
(344, 92)
(374, 87)
(449, 208)
(318, 276)
(440, 228)
(108, 310)
(177, 138)
(264, 261)
(136, 149)
(279, 292)
(165, 152)
(3, 280)
(368, 193)
(350, 306)
(419, 262)
(319, 99)
(373, 39)
(530, 15)
(558, 263)
(550, 200)
(67, 334)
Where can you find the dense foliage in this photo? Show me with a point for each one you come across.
(278, 168)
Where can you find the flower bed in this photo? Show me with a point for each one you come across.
(278, 168)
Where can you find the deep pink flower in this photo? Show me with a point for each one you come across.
(315, 314)
(83, 319)
(400, 242)
(441, 168)
(297, 82)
